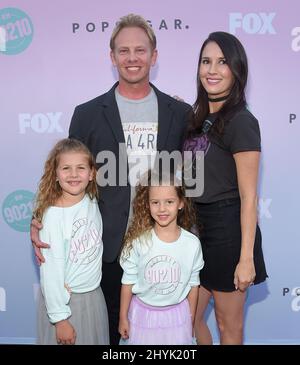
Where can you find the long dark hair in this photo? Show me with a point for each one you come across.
(236, 59)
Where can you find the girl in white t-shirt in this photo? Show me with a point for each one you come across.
(71, 308)
(161, 262)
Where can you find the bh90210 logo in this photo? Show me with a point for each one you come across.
(17, 210)
(16, 31)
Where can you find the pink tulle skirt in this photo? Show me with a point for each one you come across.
(169, 325)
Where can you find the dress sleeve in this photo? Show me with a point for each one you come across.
(129, 265)
(198, 264)
(52, 272)
(243, 134)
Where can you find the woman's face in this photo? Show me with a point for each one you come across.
(215, 75)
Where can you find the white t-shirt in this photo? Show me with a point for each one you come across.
(75, 256)
(162, 273)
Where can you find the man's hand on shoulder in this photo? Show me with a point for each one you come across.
(37, 244)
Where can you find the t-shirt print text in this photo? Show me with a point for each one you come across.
(163, 272)
(85, 242)
(140, 137)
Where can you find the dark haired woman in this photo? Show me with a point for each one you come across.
(227, 209)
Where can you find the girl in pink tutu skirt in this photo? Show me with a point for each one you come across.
(161, 260)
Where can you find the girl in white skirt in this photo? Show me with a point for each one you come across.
(71, 307)
(161, 262)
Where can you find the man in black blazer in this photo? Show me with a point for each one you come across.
(98, 123)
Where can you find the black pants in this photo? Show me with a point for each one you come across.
(111, 287)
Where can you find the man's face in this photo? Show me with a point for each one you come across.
(133, 56)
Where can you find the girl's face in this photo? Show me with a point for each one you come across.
(164, 205)
(73, 174)
(215, 75)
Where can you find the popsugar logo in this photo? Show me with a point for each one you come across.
(103, 26)
(292, 117)
(252, 23)
(296, 40)
(295, 293)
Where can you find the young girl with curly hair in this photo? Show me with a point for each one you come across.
(71, 308)
(161, 260)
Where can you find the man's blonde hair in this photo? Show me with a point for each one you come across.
(133, 20)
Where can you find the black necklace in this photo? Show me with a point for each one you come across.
(222, 98)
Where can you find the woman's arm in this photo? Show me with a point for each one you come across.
(52, 279)
(247, 164)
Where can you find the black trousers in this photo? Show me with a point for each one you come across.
(111, 287)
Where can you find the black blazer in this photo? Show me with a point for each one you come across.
(98, 125)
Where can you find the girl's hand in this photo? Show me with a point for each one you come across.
(244, 274)
(124, 328)
(65, 333)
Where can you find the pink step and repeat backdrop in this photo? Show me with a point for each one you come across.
(55, 55)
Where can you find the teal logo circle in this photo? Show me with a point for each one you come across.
(16, 31)
(17, 210)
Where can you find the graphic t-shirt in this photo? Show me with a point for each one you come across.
(74, 260)
(140, 124)
(162, 273)
(241, 134)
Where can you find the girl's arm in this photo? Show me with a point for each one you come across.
(52, 276)
(192, 298)
(126, 295)
(247, 164)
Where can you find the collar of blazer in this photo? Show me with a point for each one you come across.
(165, 115)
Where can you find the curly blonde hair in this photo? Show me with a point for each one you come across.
(142, 221)
(49, 189)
